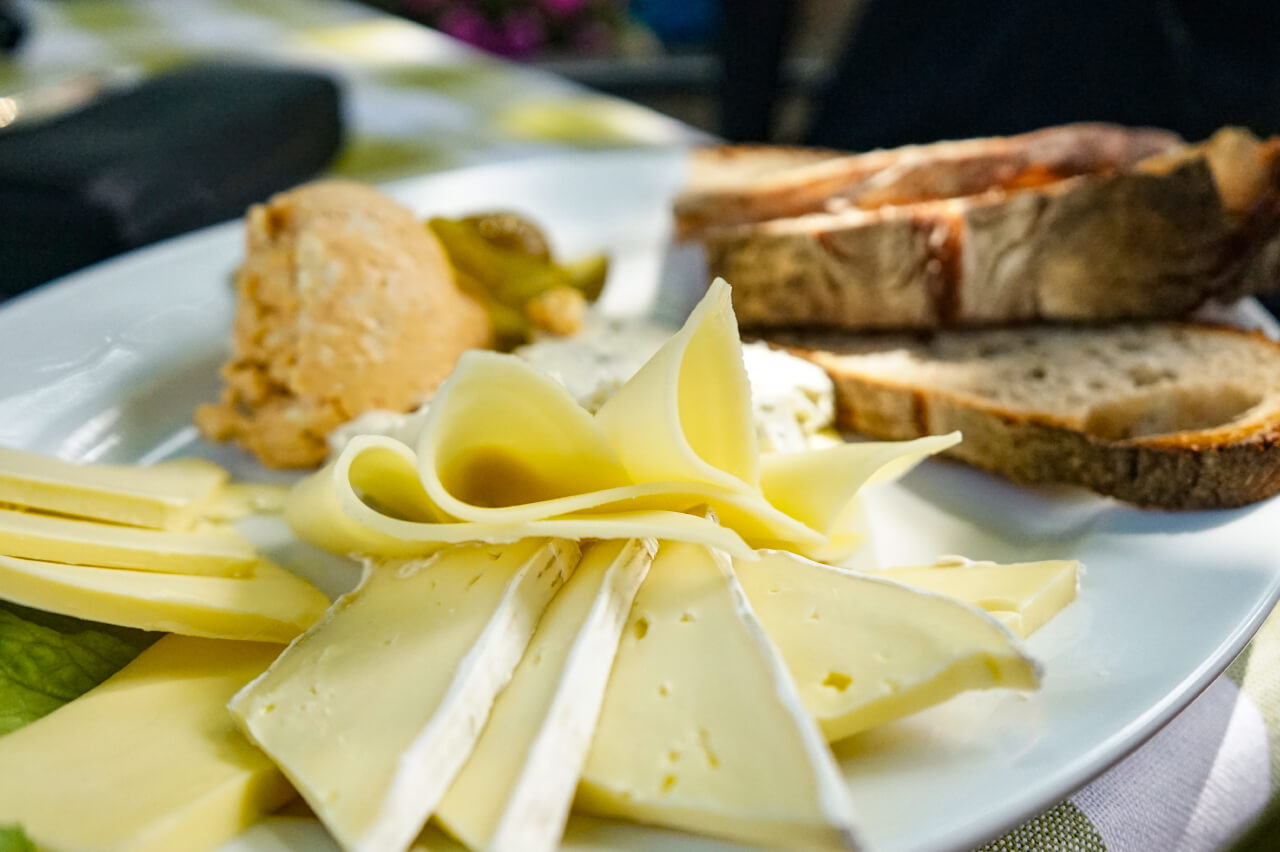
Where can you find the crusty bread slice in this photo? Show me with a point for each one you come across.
(1169, 415)
(736, 184)
(1062, 225)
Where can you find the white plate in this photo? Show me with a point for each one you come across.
(109, 363)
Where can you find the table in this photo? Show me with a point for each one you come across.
(417, 101)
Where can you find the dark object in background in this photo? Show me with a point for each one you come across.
(184, 150)
(923, 70)
(13, 26)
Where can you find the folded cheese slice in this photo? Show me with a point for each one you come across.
(373, 711)
(147, 762)
(702, 728)
(268, 605)
(864, 650)
(515, 790)
(1022, 595)
(686, 414)
(163, 496)
(217, 552)
(371, 501)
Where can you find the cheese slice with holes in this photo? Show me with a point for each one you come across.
(149, 761)
(702, 728)
(268, 605)
(164, 496)
(1022, 595)
(372, 712)
(864, 650)
(218, 552)
(515, 790)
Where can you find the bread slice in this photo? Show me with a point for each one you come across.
(1168, 415)
(1124, 225)
(732, 185)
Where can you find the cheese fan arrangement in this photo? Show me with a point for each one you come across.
(619, 612)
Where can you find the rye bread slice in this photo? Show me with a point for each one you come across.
(1152, 240)
(740, 184)
(1167, 415)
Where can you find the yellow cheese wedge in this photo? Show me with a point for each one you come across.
(702, 728)
(269, 605)
(515, 790)
(864, 651)
(686, 414)
(164, 496)
(373, 711)
(56, 539)
(149, 761)
(1022, 595)
(371, 501)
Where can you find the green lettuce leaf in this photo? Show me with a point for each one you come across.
(13, 840)
(47, 660)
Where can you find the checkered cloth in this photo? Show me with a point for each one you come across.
(417, 101)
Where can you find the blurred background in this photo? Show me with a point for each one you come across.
(126, 121)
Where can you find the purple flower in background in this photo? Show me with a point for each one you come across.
(522, 28)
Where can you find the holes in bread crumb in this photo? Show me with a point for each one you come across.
(641, 628)
(1143, 375)
(1167, 410)
(839, 681)
(1037, 373)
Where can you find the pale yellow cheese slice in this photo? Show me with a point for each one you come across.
(165, 496)
(1022, 595)
(864, 651)
(686, 414)
(702, 728)
(149, 761)
(515, 790)
(373, 711)
(371, 501)
(240, 499)
(57, 539)
(268, 605)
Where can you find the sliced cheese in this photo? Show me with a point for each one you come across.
(864, 651)
(240, 499)
(268, 605)
(1022, 595)
(702, 728)
(373, 711)
(516, 788)
(371, 501)
(57, 539)
(149, 761)
(686, 414)
(164, 496)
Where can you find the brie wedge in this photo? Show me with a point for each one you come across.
(864, 650)
(515, 790)
(373, 711)
(702, 728)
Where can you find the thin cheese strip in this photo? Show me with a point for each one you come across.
(864, 651)
(149, 761)
(686, 415)
(327, 510)
(164, 496)
(816, 486)
(515, 790)
(1022, 595)
(55, 539)
(271, 605)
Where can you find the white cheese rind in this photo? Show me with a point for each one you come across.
(372, 712)
(702, 728)
(515, 790)
(864, 650)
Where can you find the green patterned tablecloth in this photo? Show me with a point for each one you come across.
(417, 101)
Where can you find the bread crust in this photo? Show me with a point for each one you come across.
(1229, 465)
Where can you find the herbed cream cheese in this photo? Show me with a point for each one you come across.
(792, 401)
